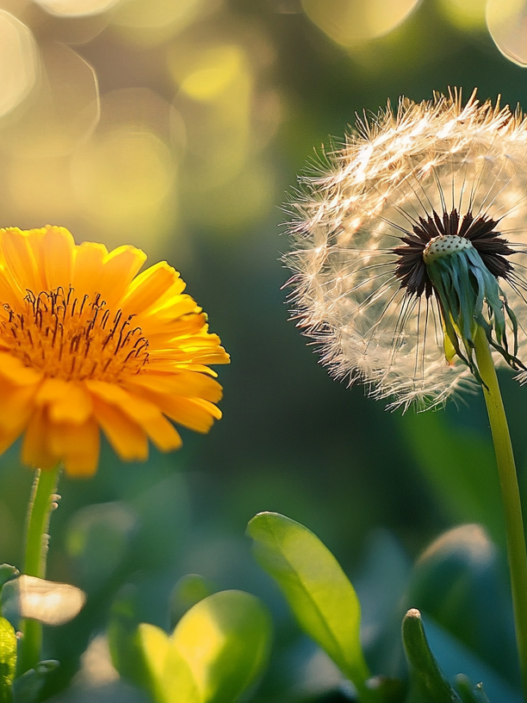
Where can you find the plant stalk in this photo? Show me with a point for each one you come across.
(517, 553)
(38, 515)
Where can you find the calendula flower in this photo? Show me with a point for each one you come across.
(411, 236)
(87, 344)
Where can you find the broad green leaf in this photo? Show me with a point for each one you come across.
(171, 680)
(127, 651)
(427, 680)
(318, 591)
(225, 641)
(7, 660)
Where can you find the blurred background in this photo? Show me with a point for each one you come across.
(179, 126)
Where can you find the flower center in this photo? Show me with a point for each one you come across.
(73, 339)
(444, 246)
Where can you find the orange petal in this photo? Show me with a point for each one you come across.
(193, 413)
(7, 438)
(68, 401)
(126, 437)
(149, 286)
(184, 383)
(120, 267)
(138, 409)
(77, 445)
(163, 434)
(59, 247)
(17, 406)
(14, 370)
(20, 260)
(35, 450)
(87, 269)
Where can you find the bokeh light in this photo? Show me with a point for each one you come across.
(465, 14)
(19, 64)
(124, 176)
(76, 8)
(507, 24)
(64, 109)
(156, 21)
(350, 22)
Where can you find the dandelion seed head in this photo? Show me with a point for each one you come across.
(432, 169)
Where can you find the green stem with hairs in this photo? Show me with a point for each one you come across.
(517, 553)
(38, 515)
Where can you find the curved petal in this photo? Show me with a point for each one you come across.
(77, 445)
(87, 269)
(127, 438)
(35, 449)
(68, 401)
(149, 286)
(120, 267)
(59, 247)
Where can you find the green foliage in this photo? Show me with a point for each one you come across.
(29, 687)
(427, 680)
(460, 467)
(218, 649)
(318, 591)
(7, 660)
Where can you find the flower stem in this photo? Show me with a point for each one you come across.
(38, 515)
(517, 553)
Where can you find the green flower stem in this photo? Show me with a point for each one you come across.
(510, 495)
(38, 515)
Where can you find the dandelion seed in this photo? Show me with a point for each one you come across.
(87, 344)
(413, 237)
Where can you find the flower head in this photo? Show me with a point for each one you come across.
(87, 344)
(412, 235)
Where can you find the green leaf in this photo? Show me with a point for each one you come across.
(469, 693)
(7, 660)
(225, 641)
(28, 687)
(458, 581)
(127, 648)
(170, 679)
(427, 679)
(318, 591)
(188, 591)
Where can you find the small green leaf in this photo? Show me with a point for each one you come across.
(469, 693)
(429, 684)
(7, 660)
(8, 572)
(318, 591)
(188, 591)
(224, 640)
(28, 687)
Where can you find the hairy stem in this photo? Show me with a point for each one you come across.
(517, 554)
(38, 515)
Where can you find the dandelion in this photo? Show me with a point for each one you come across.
(409, 257)
(87, 344)
(411, 239)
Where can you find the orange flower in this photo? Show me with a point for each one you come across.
(86, 343)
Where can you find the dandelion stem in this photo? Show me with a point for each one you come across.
(38, 516)
(517, 553)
